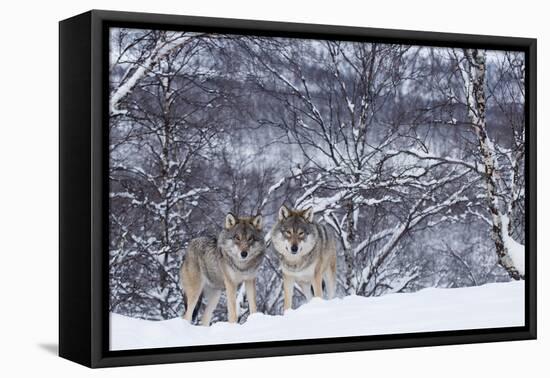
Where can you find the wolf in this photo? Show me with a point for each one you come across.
(212, 265)
(307, 253)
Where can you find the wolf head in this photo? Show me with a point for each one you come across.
(294, 234)
(242, 238)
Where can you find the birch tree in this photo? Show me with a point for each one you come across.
(136, 53)
(158, 190)
(510, 253)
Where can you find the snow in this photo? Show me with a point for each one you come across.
(517, 254)
(351, 106)
(489, 306)
(271, 189)
(516, 251)
(320, 204)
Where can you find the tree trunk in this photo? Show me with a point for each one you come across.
(475, 84)
(351, 282)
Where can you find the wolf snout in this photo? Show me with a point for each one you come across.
(244, 254)
(294, 249)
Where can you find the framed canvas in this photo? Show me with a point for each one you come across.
(234, 188)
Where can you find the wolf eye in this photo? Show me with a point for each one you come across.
(287, 232)
(250, 238)
(237, 237)
(301, 233)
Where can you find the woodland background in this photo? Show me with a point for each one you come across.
(414, 155)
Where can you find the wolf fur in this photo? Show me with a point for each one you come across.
(307, 253)
(212, 265)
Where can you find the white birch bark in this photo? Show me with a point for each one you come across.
(473, 71)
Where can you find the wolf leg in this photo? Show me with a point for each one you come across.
(306, 289)
(288, 287)
(191, 282)
(330, 281)
(192, 291)
(231, 294)
(318, 284)
(250, 286)
(212, 299)
(330, 277)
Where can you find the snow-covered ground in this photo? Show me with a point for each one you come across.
(488, 306)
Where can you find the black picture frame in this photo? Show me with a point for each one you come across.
(83, 201)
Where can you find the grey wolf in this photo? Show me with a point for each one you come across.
(307, 253)
(212, 265)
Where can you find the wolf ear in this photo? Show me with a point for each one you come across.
(230, 221)
(257, 221)
(284, 212)
(307, 214)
